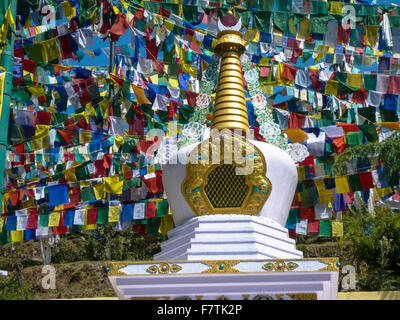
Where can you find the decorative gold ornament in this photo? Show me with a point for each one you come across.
(164, 268)
(302, 296)
(280, 266)
(332, 264)
(152, 269)
(115, 268)
(226, 175)
(221, 266)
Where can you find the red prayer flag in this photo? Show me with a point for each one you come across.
(288, 72)
(313, 226)
(296, 120)
(366, 180)
(151, 208)
(91, 216)
(339, 144)
(307, 213)
(359, 96)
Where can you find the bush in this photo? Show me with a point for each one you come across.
(105, 244)
(375, 248)
(10, 289)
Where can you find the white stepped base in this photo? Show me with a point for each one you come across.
(227, 236)
(309, 279)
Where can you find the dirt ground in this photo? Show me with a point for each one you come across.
(88, 279)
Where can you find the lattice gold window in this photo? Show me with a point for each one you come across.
(225, 188)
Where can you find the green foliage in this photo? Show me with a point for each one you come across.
(10, 289)
(387, 151)
(106, 244)
(375, 249)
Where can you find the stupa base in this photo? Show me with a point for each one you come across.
(287, 279)
(228, 236)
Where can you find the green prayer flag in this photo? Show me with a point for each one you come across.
(368, 113)
(43, 220)
(189, 13)
(185, 113)
(355, 182)
(281, 21)
(388, 115)
(87, 194)
(102, 215)
(319, 24)
(325, 228)
(244, 15)
(309, 195)
(354, 138)
(294, 217)
(153, 225)
(369, 131)
(162, 208)
(369, 81)
(283, 5)
(82, 173)
(152, 6)
(171, 7)
(262, 20)
(318, 7)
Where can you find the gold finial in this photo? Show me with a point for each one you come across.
(230, 110)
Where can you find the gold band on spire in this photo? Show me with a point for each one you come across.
(230, 110)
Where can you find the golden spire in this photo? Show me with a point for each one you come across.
(230, 110)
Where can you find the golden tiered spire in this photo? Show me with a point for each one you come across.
(230, 110)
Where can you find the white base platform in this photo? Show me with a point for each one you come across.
(228, 237)
(308, 279)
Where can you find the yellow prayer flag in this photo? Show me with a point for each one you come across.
(89, 227)
(6, 197)
(70, 175)
(99, 191)
(113, 214)
(342, 185)
(382, 192)
(337, 228)
(296, 135)
(252, 35)
(166, 224)
(371, 35)
(169, 24)
(192, 70)
(326, 196)
(154, 79)
(37, 91)
(17, 236)
(85, 136)
(139, 94)
(173, 82)
(41, 131)
(301, 173)
(304, 29)
(355, 80)
(54, 219)
(68, 9)
(331, 87)
(150, 168)
(336, 7)
(113, 185)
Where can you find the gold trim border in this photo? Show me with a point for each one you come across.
(332, 266)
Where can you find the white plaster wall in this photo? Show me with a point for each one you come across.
(281, 171)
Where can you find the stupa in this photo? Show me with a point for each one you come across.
(230, 197)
